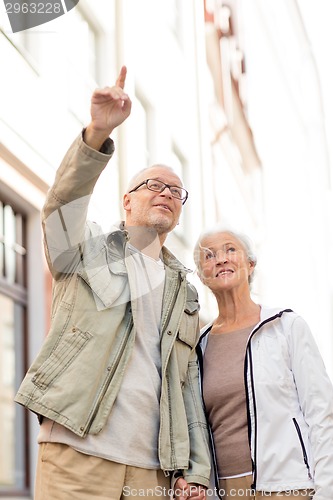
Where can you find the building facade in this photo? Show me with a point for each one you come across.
(197, 81)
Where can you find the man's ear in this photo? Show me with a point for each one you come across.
(127, 201)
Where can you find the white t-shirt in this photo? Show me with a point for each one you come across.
(130, 435)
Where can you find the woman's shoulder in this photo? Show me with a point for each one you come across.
(286, 317)
(271, 312)
(206, 329)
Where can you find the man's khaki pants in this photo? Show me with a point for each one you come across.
(65, 474)
(240, 487)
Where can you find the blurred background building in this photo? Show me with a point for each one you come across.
(234, 94)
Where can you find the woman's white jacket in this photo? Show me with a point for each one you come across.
(289, 404)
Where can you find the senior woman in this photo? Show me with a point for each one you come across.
(268, 398)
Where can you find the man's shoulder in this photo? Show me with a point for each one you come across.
(171, 261)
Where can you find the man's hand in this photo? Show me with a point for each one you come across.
(185, 491)
(109, 108)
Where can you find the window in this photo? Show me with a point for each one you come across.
(139, 135)
(14, 471)
(225, 60)
(80, 50)
(178, 163)
(139, 115)
(173, 13)
(81, 46)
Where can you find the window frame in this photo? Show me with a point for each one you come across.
(17, 293)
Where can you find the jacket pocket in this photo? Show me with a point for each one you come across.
(105, 274)
(70, 345)
(186, 341)
(187, 337)
(305, 456)
(192, 302)
(188, 330)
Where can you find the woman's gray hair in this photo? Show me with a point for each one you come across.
(243, 238)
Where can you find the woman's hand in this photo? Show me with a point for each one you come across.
(185, 491)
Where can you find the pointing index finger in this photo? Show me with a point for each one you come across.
(122, 77)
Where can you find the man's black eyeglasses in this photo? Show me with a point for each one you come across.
(154, 185)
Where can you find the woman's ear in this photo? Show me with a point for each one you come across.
(252, 265)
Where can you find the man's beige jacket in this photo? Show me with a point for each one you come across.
(78, 372)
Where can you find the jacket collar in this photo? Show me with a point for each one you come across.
(266, 314)
(119, 234)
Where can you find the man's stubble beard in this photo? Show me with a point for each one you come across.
(160, 223)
